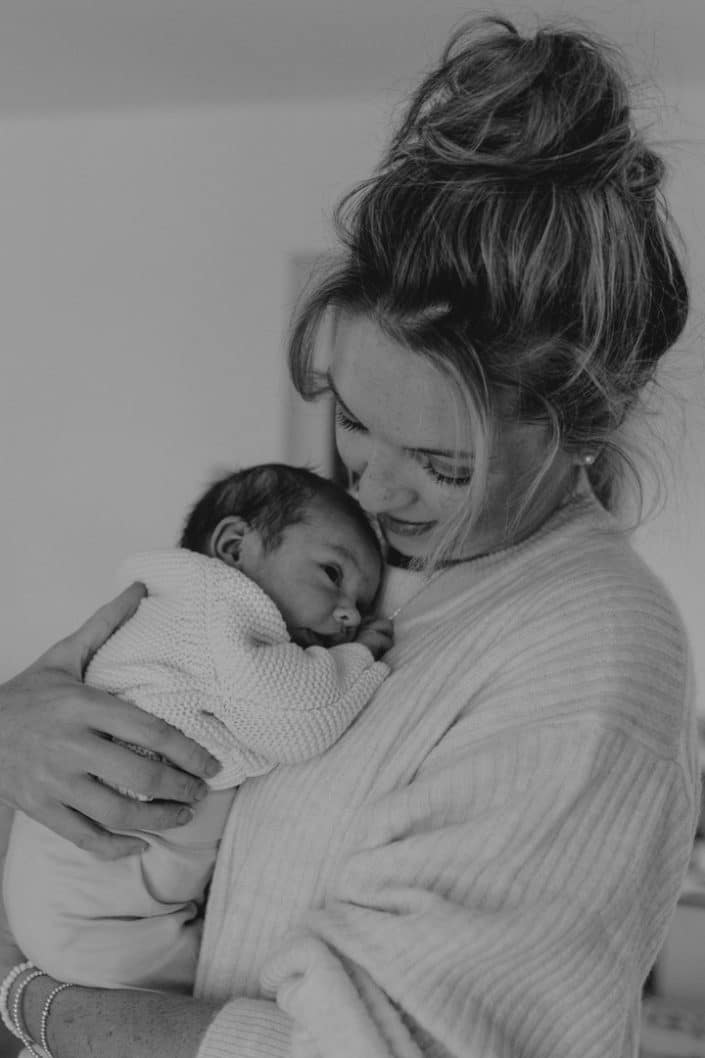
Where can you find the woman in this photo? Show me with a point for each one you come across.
(486, 862)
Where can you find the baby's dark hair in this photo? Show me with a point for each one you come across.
(270, 497)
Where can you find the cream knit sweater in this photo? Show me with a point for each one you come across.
(485, 864)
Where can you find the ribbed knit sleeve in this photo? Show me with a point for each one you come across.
(518, 927)
(249, 1028)
(507, 833)
(497, 908)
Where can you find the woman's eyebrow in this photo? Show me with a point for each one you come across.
(447, 453)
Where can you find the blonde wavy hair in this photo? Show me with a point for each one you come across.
(515, 234)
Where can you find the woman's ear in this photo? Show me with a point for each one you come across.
(226, 540)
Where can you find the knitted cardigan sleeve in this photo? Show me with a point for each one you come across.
(510, 899)
(285, 703)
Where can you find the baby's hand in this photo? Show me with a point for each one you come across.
(377, 634)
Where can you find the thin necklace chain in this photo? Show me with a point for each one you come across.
(460, 561)
(427, 582)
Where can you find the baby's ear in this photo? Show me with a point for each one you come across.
(226, 540)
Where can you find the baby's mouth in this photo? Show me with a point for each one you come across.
(306, 637)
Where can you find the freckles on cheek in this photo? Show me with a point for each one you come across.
(450, 502)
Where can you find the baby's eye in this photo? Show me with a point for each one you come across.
(333, 573)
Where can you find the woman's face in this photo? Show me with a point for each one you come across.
(397, 431)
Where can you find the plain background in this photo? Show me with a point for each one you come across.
(163, 166)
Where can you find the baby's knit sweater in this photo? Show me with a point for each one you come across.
(209, 651)
(485, 864)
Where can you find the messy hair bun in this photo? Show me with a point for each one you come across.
(515, 233)
(554, 108)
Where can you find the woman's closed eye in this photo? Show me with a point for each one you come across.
(345, 422)
(458, 477)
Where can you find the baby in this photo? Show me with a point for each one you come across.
(257, 640)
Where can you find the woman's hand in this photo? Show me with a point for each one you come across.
(54, 748)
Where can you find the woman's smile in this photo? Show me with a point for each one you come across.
(402, 527)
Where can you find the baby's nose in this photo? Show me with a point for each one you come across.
(347, 615)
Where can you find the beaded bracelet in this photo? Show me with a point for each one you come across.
(5, 992)
(45, 1016)
(16, 1010)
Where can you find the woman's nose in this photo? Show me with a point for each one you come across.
(378, 491)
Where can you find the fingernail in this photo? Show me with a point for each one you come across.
(213, 767)
(184, 815)
(200, 791)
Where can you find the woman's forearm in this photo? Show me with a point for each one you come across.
(107, 1023)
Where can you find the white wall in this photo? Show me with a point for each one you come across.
(143, 282)
(674, 541)
(144, 277)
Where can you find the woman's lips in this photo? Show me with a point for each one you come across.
(403, 528)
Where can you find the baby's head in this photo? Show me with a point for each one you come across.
(301, 538)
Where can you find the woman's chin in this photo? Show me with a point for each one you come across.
(402, 547)
(408, 547)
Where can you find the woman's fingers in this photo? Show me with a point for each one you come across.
(83, 751)
(120, 766)
(88, 835)
(72, 654)
(111, 810)
(130, 724)
(57, 734)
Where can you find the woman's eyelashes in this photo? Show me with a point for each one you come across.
(345, 422)
(457, 478)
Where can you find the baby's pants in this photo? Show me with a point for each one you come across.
(133, 922)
